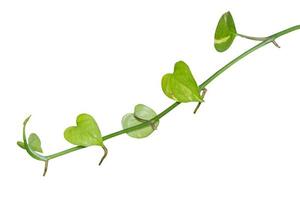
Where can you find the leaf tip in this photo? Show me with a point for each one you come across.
(21, 144)
(26, 120)
(180, 62)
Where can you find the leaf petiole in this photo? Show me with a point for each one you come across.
(257, 39)
(251, 37)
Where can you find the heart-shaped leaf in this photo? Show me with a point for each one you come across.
(34, 143)
(141, 114)
(225, 32)
(181, 85)
(86, 133)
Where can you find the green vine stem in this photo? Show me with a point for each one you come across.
(202, 87)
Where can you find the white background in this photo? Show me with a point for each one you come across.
(61, 58)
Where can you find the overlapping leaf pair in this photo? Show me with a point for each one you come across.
(87, 133)
(179, 86)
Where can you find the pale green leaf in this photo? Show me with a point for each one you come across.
(144, 112)
(86, 133)
(141, 114)
(34, 143)
(181, 85)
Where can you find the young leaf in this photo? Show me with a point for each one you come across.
(34, 143)
(225, 32)
(141, 114)
(181, 85)
(86, 133)
(21, 144)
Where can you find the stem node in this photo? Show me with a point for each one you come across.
(276, 44)
(203, 92)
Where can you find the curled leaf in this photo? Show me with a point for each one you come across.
(141, 114)
(181, 85)
(27, 145)
(225, 32)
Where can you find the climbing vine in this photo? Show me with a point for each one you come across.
(180, 86)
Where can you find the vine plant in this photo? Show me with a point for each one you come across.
(179, 86)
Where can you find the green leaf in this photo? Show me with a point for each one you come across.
(86, 133)
(21, 144)
(181, 85)
(225, 32)
(34, 143)
(141, 114)
(144, 112)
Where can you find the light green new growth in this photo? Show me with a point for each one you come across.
(179, 86)
(86, 133)
(141, 114)
(34, 143)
